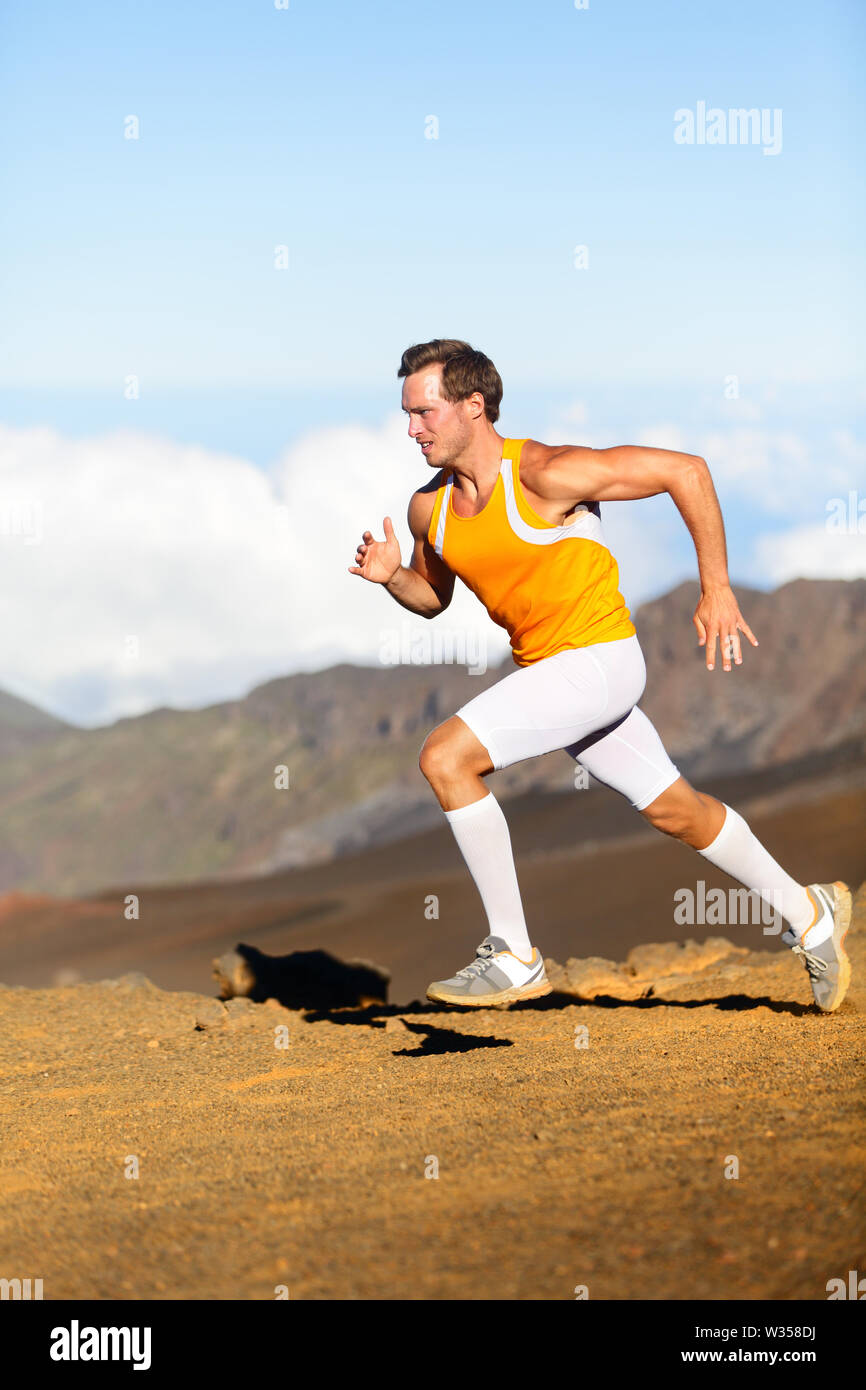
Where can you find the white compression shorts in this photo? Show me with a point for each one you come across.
(584, 701)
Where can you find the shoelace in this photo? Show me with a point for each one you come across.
(483, 954)
(814, 964)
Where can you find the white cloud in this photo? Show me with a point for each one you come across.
(573, 424)
(812, 552)
(781, 472)
(741, 408)
(852, 452)
(765, 465)
(138, 572)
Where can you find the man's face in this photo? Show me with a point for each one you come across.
(440, 428)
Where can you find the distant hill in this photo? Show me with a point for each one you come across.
(176, 795)
(23, 724)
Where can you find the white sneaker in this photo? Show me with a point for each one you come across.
(496, 976)
(828, 964)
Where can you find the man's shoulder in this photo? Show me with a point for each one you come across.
(554, 471)
(423, 500)
(535, 457)
(432, 486)
(534, 454)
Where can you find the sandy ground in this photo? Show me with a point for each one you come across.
(305, 1166)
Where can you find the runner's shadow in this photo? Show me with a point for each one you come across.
(559, 999)
(370, 1015)
(437, 1042)
(376, 1015)
(728, 1003)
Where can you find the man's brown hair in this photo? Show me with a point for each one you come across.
(464, 371)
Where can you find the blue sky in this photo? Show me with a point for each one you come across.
(306, 127)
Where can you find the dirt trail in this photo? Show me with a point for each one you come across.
(600, 1165)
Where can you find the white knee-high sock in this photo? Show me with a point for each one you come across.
(740, 853)
(481, 831)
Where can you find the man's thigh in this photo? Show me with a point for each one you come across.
(552, 703)
(630, 757)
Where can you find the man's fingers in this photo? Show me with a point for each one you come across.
(369, 555)
(727, 632)
(728, 649)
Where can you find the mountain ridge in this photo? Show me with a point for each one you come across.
(187, 794)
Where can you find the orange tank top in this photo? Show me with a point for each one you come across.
(551, 587)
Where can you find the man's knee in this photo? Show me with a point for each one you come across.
(449, 750)
(440, 755)
(677, 812)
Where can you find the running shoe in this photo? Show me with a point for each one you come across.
(496, 976)
(827, 964)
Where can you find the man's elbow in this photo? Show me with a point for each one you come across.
(443, 604)
(692, 470)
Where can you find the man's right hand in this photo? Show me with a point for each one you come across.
(378, 561)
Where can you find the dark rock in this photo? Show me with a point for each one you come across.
(300, 980)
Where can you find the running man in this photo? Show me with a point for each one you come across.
(520, 523)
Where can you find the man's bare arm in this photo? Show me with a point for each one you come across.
(426, 585)
(621, 474)
(628, 472)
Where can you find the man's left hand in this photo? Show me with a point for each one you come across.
(718, 616)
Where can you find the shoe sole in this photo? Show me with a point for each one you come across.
(493, 1001)
(841, 925)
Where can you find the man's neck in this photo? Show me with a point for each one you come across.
(476, 470)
